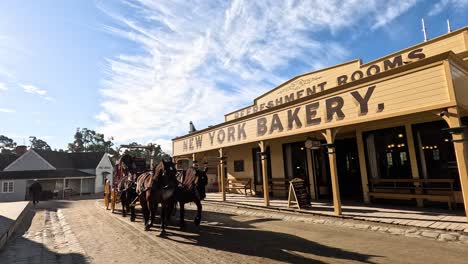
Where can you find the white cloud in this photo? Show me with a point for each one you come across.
(7, 110)
(3, 87)
(440, 6)
(393, 12)
(31, 89)
(202, 59)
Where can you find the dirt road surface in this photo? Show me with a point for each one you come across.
(84, 232)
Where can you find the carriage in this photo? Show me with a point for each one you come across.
(173, 187)
(127, 165)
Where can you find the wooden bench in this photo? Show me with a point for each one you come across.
(278, 185)
(439, 190)
(239, 185)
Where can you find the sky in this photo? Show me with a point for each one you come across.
(141, 70)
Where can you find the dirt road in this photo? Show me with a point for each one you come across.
(82, 231)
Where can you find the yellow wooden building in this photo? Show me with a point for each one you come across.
(393, 128)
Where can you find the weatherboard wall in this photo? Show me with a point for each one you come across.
(411, 91)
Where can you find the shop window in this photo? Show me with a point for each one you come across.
(435, 152)
(8, 187)
(387, 153)
(238, 165)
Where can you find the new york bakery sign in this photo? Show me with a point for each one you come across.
(315, 85)
(308, 116)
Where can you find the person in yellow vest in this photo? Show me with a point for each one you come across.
(107, 190)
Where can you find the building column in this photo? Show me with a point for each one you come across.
(81, 185)
(310, 169)
(362, 166)
(264, 157)
(329, 135)
(413, 160)
(452, 117)
(221, 170)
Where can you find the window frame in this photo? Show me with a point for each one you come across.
(8, 185)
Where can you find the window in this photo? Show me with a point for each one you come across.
(387, 153)
(435, 152)
(7, 187)
(238, 165)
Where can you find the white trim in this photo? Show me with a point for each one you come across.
(28, 153)
(8, 186)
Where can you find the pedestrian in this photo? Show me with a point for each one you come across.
(107, 192)
(35, 190)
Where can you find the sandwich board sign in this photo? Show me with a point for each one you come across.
(298, 192)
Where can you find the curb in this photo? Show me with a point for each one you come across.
(14, 226)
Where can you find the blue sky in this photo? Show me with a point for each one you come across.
(140, 70)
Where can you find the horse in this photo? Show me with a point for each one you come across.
(128, 195)
(191, 188)
(156, 187)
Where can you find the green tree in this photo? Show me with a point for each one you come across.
(6, 144)
(87, 140)
(77, 144)
(39, 144)
(153, 152)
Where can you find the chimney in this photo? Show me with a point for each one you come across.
(192, 128)
(20, 150)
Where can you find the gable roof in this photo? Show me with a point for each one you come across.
(29, 161)
(79, 160)
(49, 160)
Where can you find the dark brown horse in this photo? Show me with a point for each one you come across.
(128, 194)
(191, 189)
(156, 187)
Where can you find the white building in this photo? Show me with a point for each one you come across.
(59, 173)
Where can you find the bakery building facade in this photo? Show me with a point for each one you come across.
(390, 129)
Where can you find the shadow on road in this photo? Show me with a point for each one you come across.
(20, 249)
(223, 232)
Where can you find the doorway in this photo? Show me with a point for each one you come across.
(321, 174)
(258, 170)
(295, 162)
(349, 175)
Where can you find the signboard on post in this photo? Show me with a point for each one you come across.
(298, 192)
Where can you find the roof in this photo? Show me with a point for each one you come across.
(78, 160)
(6, 159)
(43, 174)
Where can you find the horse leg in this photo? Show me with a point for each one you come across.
(182, 215)
(199, 211)
(145, 209)
(154, 206)
(149, 211)
(124, 203)
(132, 209)
(163, 218)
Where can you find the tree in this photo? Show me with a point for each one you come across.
(87, 140)
(157, 154)
(6, 144)
(77, 145)
(39, 144)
